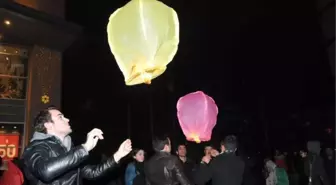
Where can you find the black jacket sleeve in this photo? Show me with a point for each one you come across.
(95, 171)
(203, 174)
(48, 168)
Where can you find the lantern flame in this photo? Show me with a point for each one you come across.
(195, 137)
(147, 78)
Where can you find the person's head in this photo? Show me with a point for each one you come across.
(329, 152)
(229, 144)
(181, 150)
(207, 150)
(314, 147)
(52, 121)
(138, 155)
(161, 144)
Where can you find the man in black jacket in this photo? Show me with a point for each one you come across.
(225, 169)
(164, 168)
(187, 164)
(314, 165)
(50, 158)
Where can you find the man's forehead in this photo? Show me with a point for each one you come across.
(182, 146)
(55, 112)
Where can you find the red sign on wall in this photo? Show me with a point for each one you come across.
(9, 146)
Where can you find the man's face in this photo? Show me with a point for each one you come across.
(60, 123)
(182, 151)
(207, 150)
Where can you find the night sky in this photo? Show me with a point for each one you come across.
(264, 64)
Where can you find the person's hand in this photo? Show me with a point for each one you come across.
(124, 149)
(92, 139)
(206, 159)
(214, 153)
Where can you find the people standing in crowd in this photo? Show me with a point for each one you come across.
(135, 174)
(314, 165)
(188, 165)
(164, 168)
(275, 175)
(50, 157)
(226, 168)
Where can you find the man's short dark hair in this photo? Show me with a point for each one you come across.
(43, 117)
(159, 143)
(230, 143)
(181, 144)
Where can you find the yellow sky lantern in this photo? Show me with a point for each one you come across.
(143, 36)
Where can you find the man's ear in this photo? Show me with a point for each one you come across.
(48, 125)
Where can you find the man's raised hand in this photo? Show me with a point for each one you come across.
(92, 139)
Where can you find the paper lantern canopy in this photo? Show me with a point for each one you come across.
(197, 115)
(143, 37)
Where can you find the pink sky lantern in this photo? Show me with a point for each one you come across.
(197, 114)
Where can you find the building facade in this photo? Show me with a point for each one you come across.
(33, 36)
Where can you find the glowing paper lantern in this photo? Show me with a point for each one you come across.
(197, 114)
(143, 37)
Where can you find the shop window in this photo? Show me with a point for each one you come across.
(13, 72)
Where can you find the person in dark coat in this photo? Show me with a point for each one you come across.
(329, 164)
(188, 164)
(225, 169)
(135, 174)
(164, 168)
(314, 165)
(50, 157)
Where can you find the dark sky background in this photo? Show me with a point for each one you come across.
(263, 62)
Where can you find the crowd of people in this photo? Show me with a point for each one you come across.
(51, 159)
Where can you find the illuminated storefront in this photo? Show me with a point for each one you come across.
(31, 46)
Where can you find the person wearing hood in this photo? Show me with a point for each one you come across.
(314, 165)
(50, 157)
